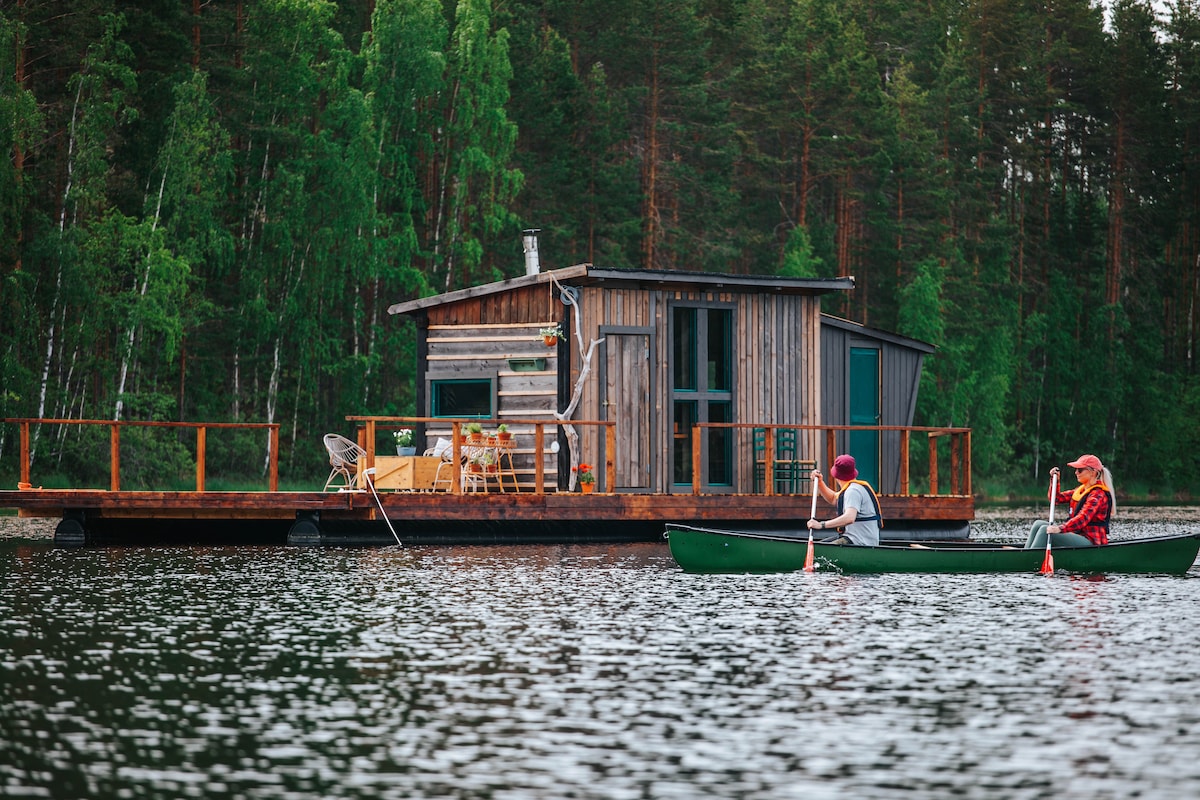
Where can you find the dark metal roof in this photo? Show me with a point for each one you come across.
(589, 275)
(876, 333)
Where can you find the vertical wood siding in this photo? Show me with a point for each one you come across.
(788, 367)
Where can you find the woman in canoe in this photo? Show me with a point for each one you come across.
(857, 506)
(1090, 506)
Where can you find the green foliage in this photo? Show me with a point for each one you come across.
(215, 231)
(798, 258)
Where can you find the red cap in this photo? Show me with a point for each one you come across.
(1089, 461)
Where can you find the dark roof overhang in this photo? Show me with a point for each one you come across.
(589, 275)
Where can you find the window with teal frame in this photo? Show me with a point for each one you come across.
(462, 397)
(702, 378)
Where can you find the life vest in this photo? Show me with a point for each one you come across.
(841, 503)
(1080, 494)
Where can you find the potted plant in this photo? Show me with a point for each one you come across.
(587, 479)
(474, 432)
(489, 461)
(502, 433)
(404, 442)
(550, 335)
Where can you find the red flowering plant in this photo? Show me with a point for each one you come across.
(585, 473)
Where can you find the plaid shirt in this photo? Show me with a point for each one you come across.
(1090, 520)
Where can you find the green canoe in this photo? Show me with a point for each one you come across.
(708, 550)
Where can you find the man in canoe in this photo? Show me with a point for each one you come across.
(857, 505)
(1091, 506)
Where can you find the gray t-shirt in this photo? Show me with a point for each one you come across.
(861, 533)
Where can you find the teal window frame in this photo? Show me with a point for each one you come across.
(435, 394)
(717, 446)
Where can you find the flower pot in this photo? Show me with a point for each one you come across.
(504, 437)
(587, 488)
(406, 451)
(475, 438)
(550, 340)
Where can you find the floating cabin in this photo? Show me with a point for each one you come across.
(663, 354)
(696, 398)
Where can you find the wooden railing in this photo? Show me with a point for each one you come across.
(960, 451)
(115, 427)
(369, 426)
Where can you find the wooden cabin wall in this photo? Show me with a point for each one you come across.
(776, 366)
(477, 337)
(900, 375)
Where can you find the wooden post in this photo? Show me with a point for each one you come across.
(456, 451)
(25, 452)
(273, 477)
(610, 447)
(769, 460)
(539, 450)
(201, 436)
(954, 463)
(904, 436)
(368, 432)
(696, 434)
(114, 458)
(967, 488)
(830, 448)
(933, 464)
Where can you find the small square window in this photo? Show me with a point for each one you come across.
(461, 398)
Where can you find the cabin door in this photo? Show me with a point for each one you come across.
(626, 400)
(864, 410)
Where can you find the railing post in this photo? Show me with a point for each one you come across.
(114, 457)
(369, 446)
(610, 447)
(933, 464)
(954, 463)
(967, 490)
(539, 461)
(24, 452)
(830, 448)
(696, 434)
(201, 436)
(456, 451)
(768, 460)
(904, 436)
(273, 477)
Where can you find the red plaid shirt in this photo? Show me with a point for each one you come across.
(1090, 520)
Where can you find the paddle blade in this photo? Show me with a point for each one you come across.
(808, 557)
(1048, 563)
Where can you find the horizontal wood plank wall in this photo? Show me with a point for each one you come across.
(477, 337)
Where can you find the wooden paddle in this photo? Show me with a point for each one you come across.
(809, 564)
(1048, 561)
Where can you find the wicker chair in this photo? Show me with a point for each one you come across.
(345, 456)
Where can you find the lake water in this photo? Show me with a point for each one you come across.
(585, 671)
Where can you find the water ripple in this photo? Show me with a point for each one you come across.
(582, 672)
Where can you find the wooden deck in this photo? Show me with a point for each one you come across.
(113, 515)
(97, 516)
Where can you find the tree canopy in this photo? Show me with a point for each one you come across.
(207, 207)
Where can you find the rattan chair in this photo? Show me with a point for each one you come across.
(346, 458)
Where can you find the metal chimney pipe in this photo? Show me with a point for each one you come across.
(529, 240)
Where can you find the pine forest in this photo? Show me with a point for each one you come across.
(208, 205)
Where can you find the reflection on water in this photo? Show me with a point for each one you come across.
(581, 671)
